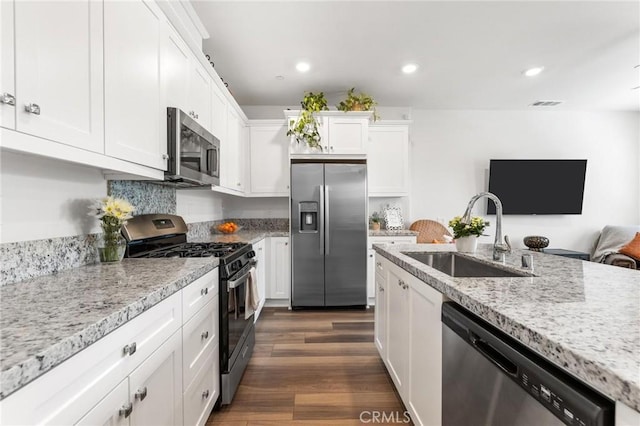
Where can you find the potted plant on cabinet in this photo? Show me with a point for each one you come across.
(360, 102)
(374, 221)
(306, 128)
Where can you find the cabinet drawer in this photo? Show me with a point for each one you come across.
(199, 293)
(199, 336)
(67, 392)
(200, 396)
(408, 239)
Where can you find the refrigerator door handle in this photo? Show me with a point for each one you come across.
(321, 219)
(327, 231)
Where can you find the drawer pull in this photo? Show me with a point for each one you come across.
(32, 109)
(129, 349)
(204, 335)
(141, 394)
(205, 394)
(204, 291)
(126, 410)
(379, 264)
(7, 98)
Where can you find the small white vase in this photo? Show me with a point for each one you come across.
(467, 244)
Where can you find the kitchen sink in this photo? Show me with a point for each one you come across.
(455, 265)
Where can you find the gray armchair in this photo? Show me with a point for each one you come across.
(612, 239)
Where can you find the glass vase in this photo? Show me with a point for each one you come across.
(111, 247)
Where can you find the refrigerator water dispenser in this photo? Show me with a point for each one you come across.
(308, 216)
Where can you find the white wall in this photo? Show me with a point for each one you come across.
(44, 198)
(450, 156)
(195, 205)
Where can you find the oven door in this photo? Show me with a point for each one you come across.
(234, 325)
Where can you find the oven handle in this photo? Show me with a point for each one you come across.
(238, 281)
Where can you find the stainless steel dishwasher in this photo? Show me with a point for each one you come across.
(488, 378)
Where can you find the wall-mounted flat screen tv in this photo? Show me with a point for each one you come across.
(537, 186)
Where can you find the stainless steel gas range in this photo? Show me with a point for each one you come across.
(164, 235)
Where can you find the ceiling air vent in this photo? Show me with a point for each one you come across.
(546, 103)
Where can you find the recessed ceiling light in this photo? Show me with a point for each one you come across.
(532, 72)
(303, 66)
(279, 77)
(409, 68)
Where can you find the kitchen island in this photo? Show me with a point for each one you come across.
(582, 316)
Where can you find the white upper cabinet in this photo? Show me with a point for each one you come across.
(219, 113)
(199, 100)
(7, 76)
(175, 69)
(346, 135)
(134, 113)
(269, 160)
(388, 160)
(231, 151)
(58, 71)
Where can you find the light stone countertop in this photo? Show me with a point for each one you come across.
(48, 319)
(582, 316)
(389, 233)
(242, 236)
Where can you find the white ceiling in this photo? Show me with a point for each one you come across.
(471, 54)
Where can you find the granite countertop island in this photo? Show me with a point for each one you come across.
(582, 316)
(48, 319)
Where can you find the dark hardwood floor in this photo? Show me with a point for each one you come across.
(313, 368)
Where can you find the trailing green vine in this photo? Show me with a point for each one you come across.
(306, 128)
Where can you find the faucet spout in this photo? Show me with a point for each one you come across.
(499, 247)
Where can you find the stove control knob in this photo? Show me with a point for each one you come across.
(251, 254)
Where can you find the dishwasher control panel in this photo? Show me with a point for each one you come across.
(568, 413)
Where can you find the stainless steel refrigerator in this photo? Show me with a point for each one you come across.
(328, 233)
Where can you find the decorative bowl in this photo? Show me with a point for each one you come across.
(536, 242)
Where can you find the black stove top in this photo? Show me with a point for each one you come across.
(220, 250)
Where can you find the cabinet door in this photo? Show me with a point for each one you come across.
(388, 160)
(199, 99)
(347, 135)
(398, 330)
(425, 354)
(230, 153)
(133, 111)
(108, 411)
(261, 276)
(381, 315)
(280, 263)
(59, 71)
(371, 273)
(7, 56)
(269, 162)
(219, 113)
(174, 70)
(156, 386)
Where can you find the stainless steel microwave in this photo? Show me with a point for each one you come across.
(194, 153)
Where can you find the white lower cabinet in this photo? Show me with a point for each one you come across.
(261, 274)
(371, 255)
(107, 412)
(279, 268)
(408, 335)
(201, 395)
(155, 387)
(199, 338)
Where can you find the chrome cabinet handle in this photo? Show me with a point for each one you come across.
(141, 394)
(205, 394)
(381, 289)
(32, 108)
(379, 264)
(204, 291)
(238, 184)
(204, 335)
(7, 98)
(129, 349)
(126, 410)
(165, 157)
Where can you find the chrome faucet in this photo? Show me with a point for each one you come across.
(499, 247)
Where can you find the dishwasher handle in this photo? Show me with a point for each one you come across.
(492, 354)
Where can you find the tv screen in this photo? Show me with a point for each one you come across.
(537, 186)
